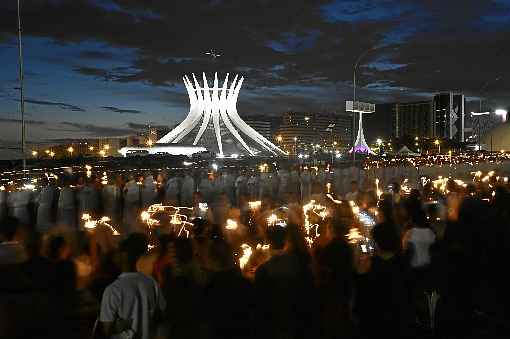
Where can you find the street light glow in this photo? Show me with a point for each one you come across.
(502, 113)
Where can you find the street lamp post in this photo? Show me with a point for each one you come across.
(355, 68)
(22, 96)
(438, 145)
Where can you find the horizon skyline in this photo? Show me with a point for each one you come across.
(98, 68)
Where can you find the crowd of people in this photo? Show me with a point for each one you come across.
(434, 265)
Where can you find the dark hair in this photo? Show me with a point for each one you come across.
(386, 207)
(338, 227)
(199, 227)
(295, 237)
(276, 236)
(296, 240)
(183, 250)
(8, 227)
(135, 245)
(221, 254)
(56, 244)
(419, 218)
(386, 237)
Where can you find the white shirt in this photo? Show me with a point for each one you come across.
(351, 196)
(132, 192)
(135, 298)
(422, 239)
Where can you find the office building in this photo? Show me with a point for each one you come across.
(304, 131)
(448, 116)
(261, 124)
(413, 119)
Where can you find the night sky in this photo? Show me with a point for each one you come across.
(108, 67)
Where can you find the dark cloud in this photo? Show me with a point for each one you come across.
(94, 72)
(27, 121)
(274, 42)
(120, 110)
(94, 55)
(93, 130)
(250, 48)
(143, 127)
(61, 105)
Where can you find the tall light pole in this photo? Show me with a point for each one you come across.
(355, 68)
(480, 114)
(22, 97)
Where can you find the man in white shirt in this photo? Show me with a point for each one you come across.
(353, 194)
(132, 304)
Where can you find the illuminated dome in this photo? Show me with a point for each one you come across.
(214, 123)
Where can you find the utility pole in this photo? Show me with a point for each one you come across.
(22, 97)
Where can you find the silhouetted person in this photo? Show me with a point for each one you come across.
(227, 301)
(383, 298)
(283, 290)
(334, 278)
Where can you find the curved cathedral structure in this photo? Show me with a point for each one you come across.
(214, 123)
